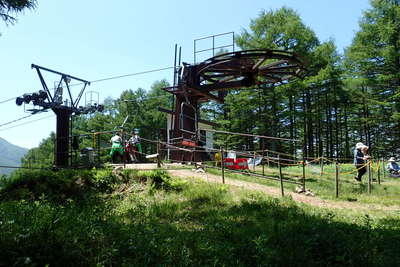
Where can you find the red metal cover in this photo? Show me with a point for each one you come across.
(238, 164)
(241, 164)
(188, 143)
(229, 163)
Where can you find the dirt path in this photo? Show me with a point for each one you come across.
(275, 192)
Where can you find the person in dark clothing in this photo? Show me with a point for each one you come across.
(359, 160)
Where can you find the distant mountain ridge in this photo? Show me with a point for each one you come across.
(10, 155)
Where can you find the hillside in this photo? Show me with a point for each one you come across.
(10, 155)
(149, 218)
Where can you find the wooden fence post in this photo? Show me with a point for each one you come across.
(262, 159)
(98, 149)
(379, 171)
(280, 175)
(337, 180)
(158, 154)
(372, 171)
(369, 177)
(222, 165)
(123, 145)
(262, 162)
(321, 163)
(254, 161)
(304, 172)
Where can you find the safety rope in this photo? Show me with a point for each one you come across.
(248, 154)
(357, 169)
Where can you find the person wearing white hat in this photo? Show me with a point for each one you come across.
(359, 161)
(392, 166)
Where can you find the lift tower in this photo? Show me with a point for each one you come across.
(63, 107)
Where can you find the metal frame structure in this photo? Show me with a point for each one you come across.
(208, 80)
(66, 78)
(63, 109)
(213, 37)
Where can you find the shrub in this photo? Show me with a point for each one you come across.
(103, 179)
(32, 184)
(159, 179)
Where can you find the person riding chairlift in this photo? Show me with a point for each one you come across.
(392, 167)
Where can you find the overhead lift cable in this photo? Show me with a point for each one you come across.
(6, 123)
(28, 122)
(98, 80)
(132, 74)
(107, 79)
(8, 100)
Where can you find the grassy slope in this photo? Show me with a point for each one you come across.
(386, 194)
(129, 222)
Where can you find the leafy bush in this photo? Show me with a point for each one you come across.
(64, 184)
(161, 179)
(56, 185)
(103, 179)
(202, 225)
(32, 184)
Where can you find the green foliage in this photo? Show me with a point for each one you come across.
(43, 155)
(299, 110)
(383, 195)
(280, 29)
(61, 185)
(103, 179)
(342, 101)
(373, 63)
(204, 224)
(10, 7)
(34, 184)
(95, 217)
(142, 107)
(160, 179)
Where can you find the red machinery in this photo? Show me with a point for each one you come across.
(236, 164)
(210, 80)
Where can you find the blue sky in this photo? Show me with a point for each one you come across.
(98, 39)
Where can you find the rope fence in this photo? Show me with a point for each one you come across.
(279, 163)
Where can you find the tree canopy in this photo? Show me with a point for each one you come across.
(345, 99)
(9, 8)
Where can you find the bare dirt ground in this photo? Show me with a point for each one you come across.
(275, 192)
(150, 166)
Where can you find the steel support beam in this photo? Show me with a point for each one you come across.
(62, 137)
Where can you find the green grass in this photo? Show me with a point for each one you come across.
(386, 194)
(149, 218)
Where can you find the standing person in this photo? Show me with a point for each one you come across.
(117, 149)
(131, 147)
(135, 146)
(217, 158)
(360, 160)
(392, 167)
(365, 151)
